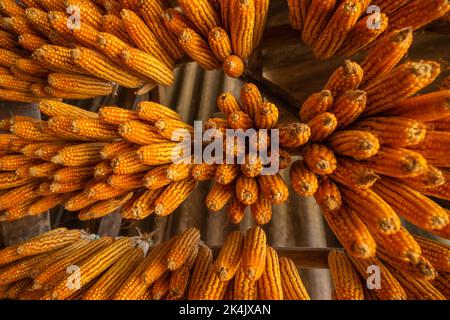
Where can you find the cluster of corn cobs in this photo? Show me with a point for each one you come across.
(214, 32)
(379, 278)
(344, 28)
(94, 162)
(378, 152)
(126, 268)
(78, 49)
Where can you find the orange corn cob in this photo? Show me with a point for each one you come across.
(93, 266)
(201, 13)
(270, 283)
(315, 105)
(46, 203)
(228, 260)
(372, 209)
(226, 173)
(442, 283)
(389, 6)
(390, 288)
(112, 24)
(43, 170)
(316, 19)
(18, 25)
(13, 95)
(354, 143)
(236, 210)
(219, 195)
(202, 264)
(172, 197)
(144, 206)
(351, 232)
(116, 148)
(11, 82)
(417, 289)
(266, 116)
(239, 120)
(126, 181)
(175, 21)
(345, 278)
(178, 283)
(11, 180)
(53, 108)
(99, 66)
(158, 153)
(293, 287)
(243, 287)
(246, 190)
(274, 188)
(102, 170)
(394, 131)
(38, 20)
(438, 253)
(261, 12)
(261, 210)
(31, 42)
(58, 22)
(328, 196)
(182, 248)
(48, 151)
(212, 288)
(412, 205)
(179, 171)
(431, 179)
(80, 84)
(103, 191)
(361, 36)
(128, 163)
(227, 103)
(64, 187)
(144, 38)
(233, 66)
(156, 178)
(251, 98)
(254, 253)
(152, 11)
(111, 46)
(397, 162)
(140, 133)
(152, 112)
(337, 29)
(103, 208)
(57, 93)
(18, 195)
(347, 77)
(8, 58)
(8, 40)
(392, 48)
(116, 116)
(322, 126)
(25, 77)
(49, 242)
(115, 276)
(198, 49)
(11, 8)
(13, 162)
(427, 107)
(304, 181)
(88, 10)
(401, 83)
(204, 171)
(56, 58)
(242, 26)
(80, 154)
(319, 159)
(79, 201)
(418, 13)
(94, 129)
(21, 269)
(220, 43)
(30, 66)
(160, 287)
(348, 107)
(32, 130)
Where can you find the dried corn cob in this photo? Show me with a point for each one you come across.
(293, 287)
(48, 243)
(316, 104)
(140, 133)
(417, 288)
(304, 181)
(390, 288)
(412, 205)
(254, 253)
(99, 66)
(239, 120)
(14, 95)
(160, 288)
(56, 58)
(372, 209)
(128, 163)
(345, 279)
(143, 206)
(322, 126)
(353, 143)
(319, 159)
(201, 13)
(13, 162)
(397, 162)
(173, 196)
(103, 191)
(351, 232)
(80, 84)
(175, 21)
(220, 43)
(348, 107)
(103, 208)
(401, 83)
(53, 108)
(438, 253)
(116, 116)
(219, 195)
(159, 153)
(88, 10)
(273, 187)
(46, 203)
(94, 129)
(152, 112)
(337, 29)
(242, 27)
(233, 66)
(270, 283)
(431, 179)
(251, 98)
(198, 49)
(316, 19)
(345, 78)
(80, 154)
(79, 201)
(112, 24)
(227, 103)
(116, 148)
(31, 42)
(202, 264)
(236, 210)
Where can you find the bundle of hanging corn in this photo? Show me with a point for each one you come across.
(70, 264)
(94, 162)
(79, 49)
(252, 179)
(344, 28)
(219, 32)
(378, 152)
